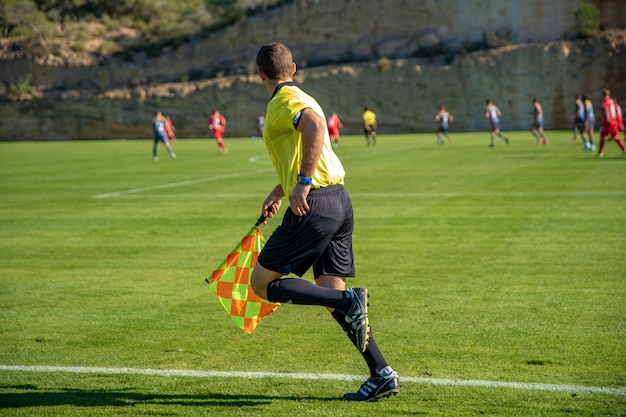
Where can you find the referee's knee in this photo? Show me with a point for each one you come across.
(257, 286)
(261, 279)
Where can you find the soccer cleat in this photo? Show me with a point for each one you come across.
(375, 388)
(356, 317)
(173, 156)
(155, 158)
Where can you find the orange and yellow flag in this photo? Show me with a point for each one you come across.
(231, 283)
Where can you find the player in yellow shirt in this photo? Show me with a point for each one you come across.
(369, 126)
(589, 122)
(316, 230)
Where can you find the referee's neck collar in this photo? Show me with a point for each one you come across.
(281, 85)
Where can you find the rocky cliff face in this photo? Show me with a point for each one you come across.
(402, 58)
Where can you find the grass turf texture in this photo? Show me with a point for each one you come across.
(503, 264)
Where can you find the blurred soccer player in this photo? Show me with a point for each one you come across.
(589, 122)
(217, 124)
(579, 117)
(443, 119)
(537, 128)
(610, 122)
(170, 130)
(493, 114)
(160, 135)
(260, 124)
(369, 126)
(620, 119)
(334, 124)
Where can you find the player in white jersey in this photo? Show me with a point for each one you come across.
(537, 128)
(579, 117)
(493, 114)
(443, 119)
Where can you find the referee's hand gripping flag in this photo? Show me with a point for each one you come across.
(231, 282)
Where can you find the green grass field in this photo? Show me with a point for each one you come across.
(504, 266)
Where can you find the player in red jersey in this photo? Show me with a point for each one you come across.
(217, 123)
(334, 124)
(170, 130)
(620, 119)
(610, 122)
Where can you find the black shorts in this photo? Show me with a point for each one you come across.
(322, 238)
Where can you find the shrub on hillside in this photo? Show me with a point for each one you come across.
(588, 20)
(159, 23)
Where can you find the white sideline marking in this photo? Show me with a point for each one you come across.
(259, 159)
(134, 193)
(340, 377)
(494, 194)
(178, 184)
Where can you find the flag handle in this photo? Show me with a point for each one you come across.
(260, 220)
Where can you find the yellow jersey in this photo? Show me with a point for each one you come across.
(369, 117)
(284, 141)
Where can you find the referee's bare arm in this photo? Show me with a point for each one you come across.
(313, 129)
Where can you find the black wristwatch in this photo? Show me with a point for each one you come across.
(304, 180)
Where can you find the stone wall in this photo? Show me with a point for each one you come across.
(404, 93)
(402, 58)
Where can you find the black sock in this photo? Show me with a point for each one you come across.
(303, 292)
(372, 355)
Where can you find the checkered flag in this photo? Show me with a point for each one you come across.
(231, 282)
